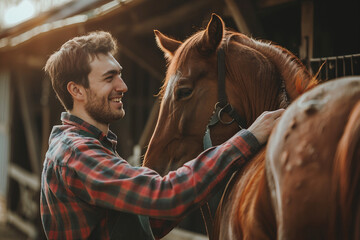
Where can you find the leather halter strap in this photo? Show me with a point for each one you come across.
(221, 107)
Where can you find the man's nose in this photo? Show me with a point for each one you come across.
(120, 85)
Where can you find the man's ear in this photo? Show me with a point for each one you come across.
(76, 91)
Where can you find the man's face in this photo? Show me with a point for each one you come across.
(106, 89)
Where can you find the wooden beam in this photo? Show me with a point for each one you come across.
(272, 3)
(244, 15)
(170, 18)
(31, 132)
(13, 59)
(31, 61)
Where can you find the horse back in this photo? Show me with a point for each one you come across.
(300, 159)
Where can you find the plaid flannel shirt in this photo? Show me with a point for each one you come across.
(89, 192)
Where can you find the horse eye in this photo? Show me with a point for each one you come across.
(183, 93)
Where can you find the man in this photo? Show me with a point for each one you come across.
(87, 190)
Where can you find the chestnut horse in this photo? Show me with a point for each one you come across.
(259, 77)
(313, 164)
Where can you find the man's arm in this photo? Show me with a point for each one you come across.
(100, 178)
(261, 129)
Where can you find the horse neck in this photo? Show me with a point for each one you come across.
(253, 84)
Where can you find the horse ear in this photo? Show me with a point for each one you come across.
(213, 34)
(166, 44)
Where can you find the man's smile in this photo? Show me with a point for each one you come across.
(118, 100)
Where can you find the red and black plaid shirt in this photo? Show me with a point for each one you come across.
(89, 192)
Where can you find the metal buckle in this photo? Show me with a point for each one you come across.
(221, 110)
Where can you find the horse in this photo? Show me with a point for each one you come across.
(312, 164)
(260, 76)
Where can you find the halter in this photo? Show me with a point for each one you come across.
(221, 107)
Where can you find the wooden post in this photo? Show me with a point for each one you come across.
(5, 138)
(307, 31)
(31, 132)
(45, 117)
(150, 125)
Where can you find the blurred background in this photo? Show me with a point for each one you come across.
(317, 31)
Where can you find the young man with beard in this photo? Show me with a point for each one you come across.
(87, 190)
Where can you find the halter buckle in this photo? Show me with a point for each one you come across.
(227, 108)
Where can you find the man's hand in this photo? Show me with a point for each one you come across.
(263, 125)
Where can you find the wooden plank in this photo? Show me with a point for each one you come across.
(25, 226)
(31, 132)
(24, 177)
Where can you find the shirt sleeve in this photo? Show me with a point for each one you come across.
(97, 176)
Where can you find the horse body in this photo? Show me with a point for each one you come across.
(301, 155)
(259, 77)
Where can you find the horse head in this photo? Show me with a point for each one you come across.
(256, 80)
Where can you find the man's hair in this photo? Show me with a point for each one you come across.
(72, 62)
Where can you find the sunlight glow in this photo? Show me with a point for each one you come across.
(19, 13)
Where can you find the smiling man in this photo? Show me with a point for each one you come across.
(87, 190)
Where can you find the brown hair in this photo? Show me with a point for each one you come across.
(72, 62)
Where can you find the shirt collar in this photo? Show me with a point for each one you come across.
(69, 119)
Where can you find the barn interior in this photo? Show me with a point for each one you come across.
(322, 31)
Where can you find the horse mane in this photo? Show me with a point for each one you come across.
(289, 66)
